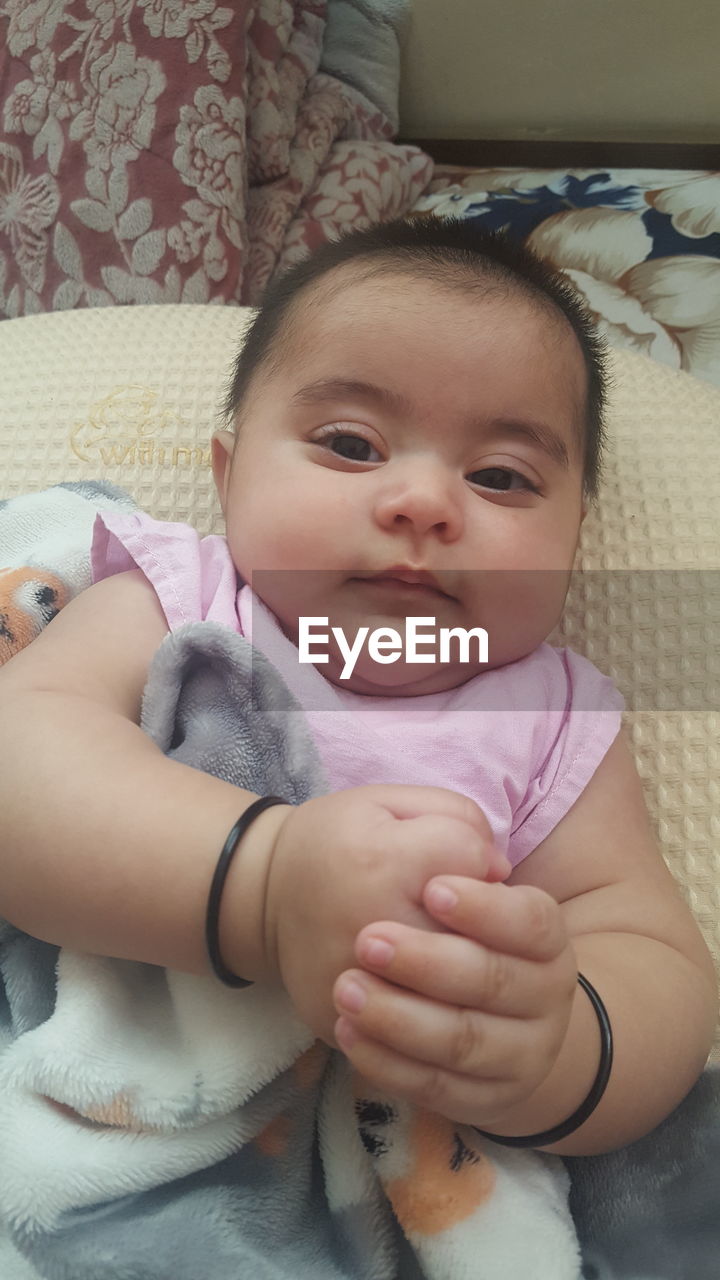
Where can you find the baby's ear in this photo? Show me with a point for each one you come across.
(222, 446)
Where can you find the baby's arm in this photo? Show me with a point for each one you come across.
(109, 847)
(488, 1025)
(636, 940)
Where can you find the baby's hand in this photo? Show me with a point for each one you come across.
(343, 860)
(468, 1023)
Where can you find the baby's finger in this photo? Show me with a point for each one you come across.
(499, 867)
(469, 1041)
(409, 802)
(458, 971)
(520, 920)
(463, 1098)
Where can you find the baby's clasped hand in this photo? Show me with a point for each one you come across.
(342, 861)
(465, 1023)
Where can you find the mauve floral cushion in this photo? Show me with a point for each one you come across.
(158, 151)
(123, 151)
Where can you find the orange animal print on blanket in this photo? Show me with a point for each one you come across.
(29, 599)
(118, 1113)
(432, 1178)
(274, 1139)
(446, 1182)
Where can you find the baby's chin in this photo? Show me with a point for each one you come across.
(400, 679)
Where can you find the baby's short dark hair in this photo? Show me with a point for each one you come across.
(444, 251)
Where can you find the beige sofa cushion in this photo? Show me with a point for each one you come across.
(131, 395)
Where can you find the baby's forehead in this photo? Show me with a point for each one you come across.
(349, 312)
(347, 303)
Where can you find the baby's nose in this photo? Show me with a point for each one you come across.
(426, 496)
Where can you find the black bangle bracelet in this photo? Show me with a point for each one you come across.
(213, 907)
(587, 1107)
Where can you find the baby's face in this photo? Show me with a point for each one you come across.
(412, 428)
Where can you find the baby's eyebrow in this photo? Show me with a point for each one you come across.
(545, 437)
(325, 390)
(352, 389)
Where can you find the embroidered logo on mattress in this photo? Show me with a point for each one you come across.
(131, 427)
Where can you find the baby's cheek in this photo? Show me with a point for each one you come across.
(522, 613)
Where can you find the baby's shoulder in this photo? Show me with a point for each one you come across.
(193, 577)
(98, 647)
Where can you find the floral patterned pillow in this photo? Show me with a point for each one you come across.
(123, 169)
(641, 246)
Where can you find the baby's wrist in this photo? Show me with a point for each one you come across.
(247, 937)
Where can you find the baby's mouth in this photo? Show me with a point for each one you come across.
(407, 582)
(398, 587)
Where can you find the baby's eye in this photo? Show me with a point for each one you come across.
(348, 445)
(502, 480)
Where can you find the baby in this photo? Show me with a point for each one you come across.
(417, 413)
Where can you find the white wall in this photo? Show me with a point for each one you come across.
(612, 70)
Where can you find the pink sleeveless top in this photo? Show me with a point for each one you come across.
(523, 740)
